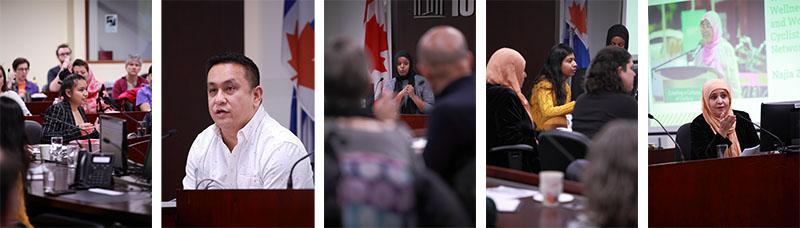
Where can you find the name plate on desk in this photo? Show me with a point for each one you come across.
(264, 208)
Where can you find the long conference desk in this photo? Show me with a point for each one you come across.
(530, 213)
(133, 208)
(761, 190)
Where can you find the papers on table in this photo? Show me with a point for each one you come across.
(507, 198)
(751, 151)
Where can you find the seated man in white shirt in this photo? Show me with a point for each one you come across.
(245, 147)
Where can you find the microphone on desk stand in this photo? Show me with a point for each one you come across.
(680, 150)
(289, 182)
(781, 145)
(88, 140)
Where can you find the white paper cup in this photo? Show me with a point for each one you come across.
(551, 184)
(45, 150)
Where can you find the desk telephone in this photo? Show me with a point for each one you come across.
(94, 170)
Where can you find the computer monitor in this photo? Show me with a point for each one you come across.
(113, 141)
(783, 120)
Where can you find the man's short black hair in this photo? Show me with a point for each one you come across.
(228, 57)
(19, 61)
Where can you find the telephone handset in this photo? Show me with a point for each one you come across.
(94, 170)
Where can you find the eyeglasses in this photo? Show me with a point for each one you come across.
(65, 54)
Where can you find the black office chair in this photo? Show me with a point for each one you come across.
(510, 156)
(559, 148)
(34, 131)
(575, 170)
(684, 140)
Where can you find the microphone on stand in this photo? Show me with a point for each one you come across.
(781, 145)
(668, 135)
(88, 140)
(289, 182)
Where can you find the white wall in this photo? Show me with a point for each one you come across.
(263, 26)
(343, 19)
(602, 15)
(33, 28)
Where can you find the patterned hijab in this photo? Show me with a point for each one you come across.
(714, 121)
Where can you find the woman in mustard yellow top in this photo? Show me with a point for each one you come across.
(549, 104)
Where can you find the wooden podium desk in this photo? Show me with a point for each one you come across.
(238, 208)
(762, 190)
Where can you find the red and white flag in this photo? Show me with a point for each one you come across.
(376, 41)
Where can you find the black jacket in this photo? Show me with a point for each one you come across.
(507, 123)
(53, 128)
(704, 140)
(593, 110)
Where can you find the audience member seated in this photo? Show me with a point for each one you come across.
(64, 55)
(93, 102)
(5, 92)
(130, 81)
(14, 147)
(145, 94)
(507, 119)
(22, 85)
(400, 191)
(413, 92)
(611, 176)
(617, 36)
(551, 99)
(447, 63)
(718, 126)
(608, 86)
(9, 196)
(67, 118)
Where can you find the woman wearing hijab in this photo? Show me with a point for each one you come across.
(414, 94)
(396, 189)
(508, 121)
(717, 53)
(617, 36)
(717, 125)
(551, 99)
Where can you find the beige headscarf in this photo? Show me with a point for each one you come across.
(714, 121)
(506, 67)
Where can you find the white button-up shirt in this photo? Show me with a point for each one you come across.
(262, 158)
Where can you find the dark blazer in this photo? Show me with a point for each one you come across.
(593, 110)
(704, 140)
(507, 123)
(63, 113)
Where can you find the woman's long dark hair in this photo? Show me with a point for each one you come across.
(69, 84)
(551, 71)
(14, 141)
(3, 72)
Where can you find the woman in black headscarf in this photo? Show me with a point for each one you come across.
(617, 36)
(414, 94)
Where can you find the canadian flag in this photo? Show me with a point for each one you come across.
(298, 57)
(376, 41)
